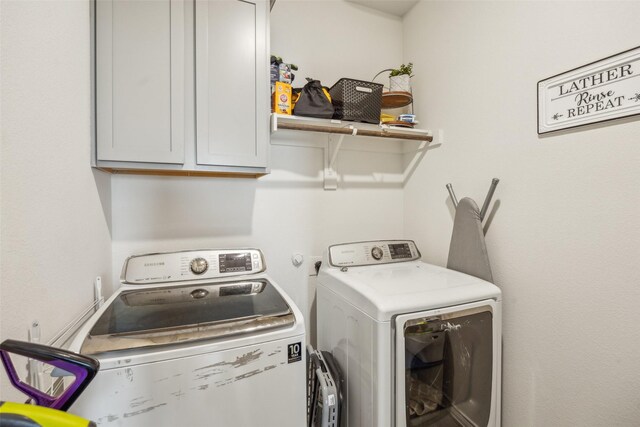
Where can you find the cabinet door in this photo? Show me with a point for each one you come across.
(232, 83)
(140, 80)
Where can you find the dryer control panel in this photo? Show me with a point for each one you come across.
(191, 265)
(372, 253)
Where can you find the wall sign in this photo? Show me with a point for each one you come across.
(603, 90)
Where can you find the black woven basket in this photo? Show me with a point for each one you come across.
(356, 100)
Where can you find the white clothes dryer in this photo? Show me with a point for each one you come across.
(196, 338)
(418, 344)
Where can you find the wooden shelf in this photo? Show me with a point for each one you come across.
(329, 126)
(338, 129)
(396, 99)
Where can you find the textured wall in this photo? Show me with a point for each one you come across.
(55, 210)
(564, 241)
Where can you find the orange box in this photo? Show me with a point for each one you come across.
(282, 98)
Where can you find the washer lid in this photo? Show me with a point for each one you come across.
(166, 315)
(383, 291)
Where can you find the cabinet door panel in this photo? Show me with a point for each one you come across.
(140, 80)
(231, 83)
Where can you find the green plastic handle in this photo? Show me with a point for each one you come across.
(24, 415)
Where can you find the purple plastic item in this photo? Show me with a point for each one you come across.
(83, 368)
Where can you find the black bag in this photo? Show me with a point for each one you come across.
(313, 101)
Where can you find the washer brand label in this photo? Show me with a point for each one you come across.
(294, 352)
(153, 264)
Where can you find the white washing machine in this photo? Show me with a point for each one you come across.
(196, 338)
(419, 345)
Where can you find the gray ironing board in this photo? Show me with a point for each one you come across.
(468, 251)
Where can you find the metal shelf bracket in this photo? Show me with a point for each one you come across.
(334, 142)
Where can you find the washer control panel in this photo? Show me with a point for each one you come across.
(372, 253)
(191, 265)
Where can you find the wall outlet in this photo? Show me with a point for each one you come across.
(312, 264)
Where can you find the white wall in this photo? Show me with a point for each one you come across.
(287, 211)
(55, 210)
(564, 242)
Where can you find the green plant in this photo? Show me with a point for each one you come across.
(278, 60)
(404, 69)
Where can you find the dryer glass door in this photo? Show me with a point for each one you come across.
(444, 367)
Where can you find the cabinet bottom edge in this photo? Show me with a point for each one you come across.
(158, 172)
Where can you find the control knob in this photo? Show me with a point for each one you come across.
(376, 253)
(199, 265)
(199, 293)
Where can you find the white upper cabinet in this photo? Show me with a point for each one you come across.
(232, 83)
(140, 81)
(182, 86)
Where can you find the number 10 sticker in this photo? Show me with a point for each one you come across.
(294, 352)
